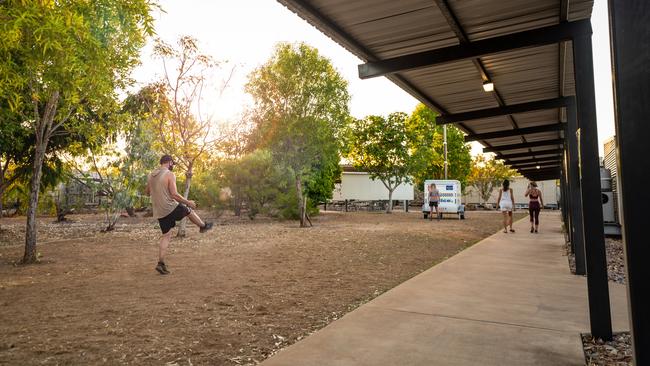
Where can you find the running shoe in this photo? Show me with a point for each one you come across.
(162, 268)
(206, 227)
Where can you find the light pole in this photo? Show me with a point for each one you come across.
(444, 145)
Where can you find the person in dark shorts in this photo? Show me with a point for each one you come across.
(534, 205)
(169, 206)
(434, 198)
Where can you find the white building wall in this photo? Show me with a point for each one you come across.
(359, 186)
(549, 189)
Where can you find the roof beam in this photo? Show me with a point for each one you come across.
(457, 28)
(562, 48)
(551, 176)
(531, 166)
(515, 132)
(502, 111)
(542, 169)
(536, 37)
(564, 10)
(525, 145)
(530, 154)
(535, 165)
(542, 174)
(534, 160)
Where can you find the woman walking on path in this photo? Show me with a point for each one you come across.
(535, 205)
(506, 203)
(434, 198)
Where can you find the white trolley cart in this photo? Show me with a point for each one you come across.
(450, 198)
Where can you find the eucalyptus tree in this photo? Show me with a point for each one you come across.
(61, 63)
(300, 109)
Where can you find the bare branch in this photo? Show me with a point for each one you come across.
(225, 84)
(60, 123)
(92, 156)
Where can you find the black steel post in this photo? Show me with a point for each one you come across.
(568, 225)
(563, 204)
(592, 212)
(630, 37)
(577, 232)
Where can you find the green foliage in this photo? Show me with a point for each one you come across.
(390, 149)
(84, 50)
(61, 64)
(287, 206)
(17, 159)
(139, 131)
(488, 174)
(256, 181)
(320, 185)
(301, 107)
(105, 173)
(207, 188)
(422, 123)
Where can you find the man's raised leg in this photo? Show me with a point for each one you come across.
(204, 226)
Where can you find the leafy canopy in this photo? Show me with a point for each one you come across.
(300, 109)
(392, 149)
(422, 123)
(488, 174)
(83, 49)
(61, 64)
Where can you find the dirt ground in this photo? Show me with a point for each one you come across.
(236, 294)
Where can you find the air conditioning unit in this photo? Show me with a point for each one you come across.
(608, 206)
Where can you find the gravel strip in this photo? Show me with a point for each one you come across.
(618, 352)
(615, 260)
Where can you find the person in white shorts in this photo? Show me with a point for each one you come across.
(506, 203)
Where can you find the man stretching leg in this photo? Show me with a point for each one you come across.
(169, 206)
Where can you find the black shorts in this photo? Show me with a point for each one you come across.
(169, 221)
(433, 203)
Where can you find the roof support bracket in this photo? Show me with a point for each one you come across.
(529, 154)
(531, 38)
(524, 145)
(509, 109)
(515, 132)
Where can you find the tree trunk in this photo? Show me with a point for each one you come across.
(237, 202)
(61, 208)
(2, 191)
(304, 210)
(112, 221)
(306, 214)
(2, 188)
(186, 194)
(1, 194)
(30, 234)
(389, 207)
(301, 202)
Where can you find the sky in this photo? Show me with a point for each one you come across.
(243, 34)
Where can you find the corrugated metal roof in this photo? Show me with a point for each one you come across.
(380, 29)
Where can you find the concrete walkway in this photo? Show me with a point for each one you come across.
(508, 300)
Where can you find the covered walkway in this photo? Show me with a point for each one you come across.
(508, 300)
